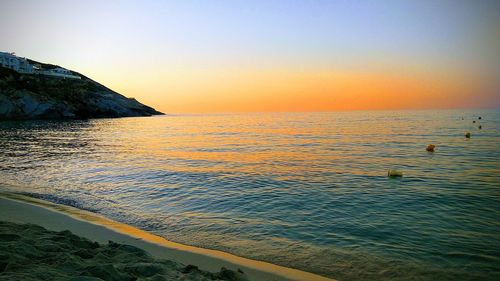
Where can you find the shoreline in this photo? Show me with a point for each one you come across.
(24, 209)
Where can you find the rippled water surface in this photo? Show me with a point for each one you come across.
(304, 190)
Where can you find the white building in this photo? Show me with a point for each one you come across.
(9, 60)
(59, 72)
(21, 65)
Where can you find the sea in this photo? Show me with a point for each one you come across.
(304, 190)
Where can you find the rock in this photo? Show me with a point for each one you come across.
(190, 268)
(230, 275)
(32, 96)
(480, 127)
(479, 118)
(430, 148)
(473, 121)
(467, 135)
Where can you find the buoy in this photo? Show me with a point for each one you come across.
(480, 127)
(430, 148)
(467, 135)
(394, 173)
(479, 118)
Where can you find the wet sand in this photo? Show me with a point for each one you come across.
(20, 209)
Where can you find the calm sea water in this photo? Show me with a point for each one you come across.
(304, 190)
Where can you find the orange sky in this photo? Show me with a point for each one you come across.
(234, 56)
(283, 90)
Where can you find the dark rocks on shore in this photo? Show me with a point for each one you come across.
(33, 96)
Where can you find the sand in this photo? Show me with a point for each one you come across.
(76, 242)
(31, 252)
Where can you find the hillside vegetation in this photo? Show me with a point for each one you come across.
(33, 96)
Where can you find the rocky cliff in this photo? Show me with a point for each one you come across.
(33, 96)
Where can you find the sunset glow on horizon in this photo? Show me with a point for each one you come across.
(233, 56)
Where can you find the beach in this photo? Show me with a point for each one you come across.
(184, 262)
(250, 140)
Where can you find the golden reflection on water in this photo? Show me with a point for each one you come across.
(244, 144)
(281, 144)
(287, 188)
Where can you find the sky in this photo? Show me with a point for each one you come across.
(253, 56)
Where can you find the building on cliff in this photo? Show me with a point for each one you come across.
(22, 65)
(58, 72)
